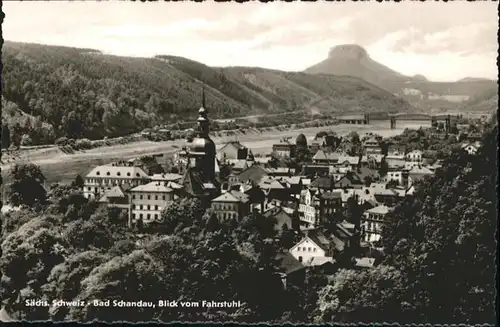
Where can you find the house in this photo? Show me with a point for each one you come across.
(253, 173)
(396, 151)
(348, 161)
(388, 196)
(398, 176)
(372, 160)
(314, 170)
(285, 149)
(237, 165)
(231, 205)
(315, 206)
(414, 156)
(372, 223)
(117, 197)
(323, 183)
(418, 173)
(232, 150)
(372, 145)
(471, 148)
(395, 163)
(148, 201)
(349, 180)
(314, 249)
(325, 158)
(103, 178)
(282, 219)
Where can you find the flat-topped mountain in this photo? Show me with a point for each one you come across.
(354, 60)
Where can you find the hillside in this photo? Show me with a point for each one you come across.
(354, 60)
(486, 102)
(84, 93)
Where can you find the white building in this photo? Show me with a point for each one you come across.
(414, 156)
(149, 200)
(372, 222)
(312, 250)
(103, 178)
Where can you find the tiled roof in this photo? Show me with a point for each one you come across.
(323, 182)
(110, 171)
(350, 159)
(232, 196)
(253, 173)
(330, 156)
(319, 239)
(166, 177)
(115, 192)
(365, 262)
(288, 263)
(152, 187)
(382, 210)
(332, 195)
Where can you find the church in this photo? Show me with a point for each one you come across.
(200, 179)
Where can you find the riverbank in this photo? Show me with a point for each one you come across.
(62, 167)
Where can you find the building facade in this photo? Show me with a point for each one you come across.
(148, 201)
(103, 178)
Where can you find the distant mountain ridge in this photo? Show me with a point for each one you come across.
(84, 93)
(354, 60)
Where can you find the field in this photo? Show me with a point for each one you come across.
(60, 167)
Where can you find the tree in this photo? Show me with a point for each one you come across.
(5, 136)
(28, 256)
(384, 168)
(26, 187)
(79, 183)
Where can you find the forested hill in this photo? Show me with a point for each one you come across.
(84, 93)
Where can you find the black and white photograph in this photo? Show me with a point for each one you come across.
(281, 162)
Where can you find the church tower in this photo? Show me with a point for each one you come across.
(202, 151)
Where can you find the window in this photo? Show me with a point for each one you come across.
(156, 216)
(137, 174)
(164, 197)
(156, 197)
(98, 173)
(133, 206)
(314, 249)
(300, 259)
(133, 196)
(149, 216)
(140, 196)
(308, 249)
(108, 173)
(140, 207)
(156, 207)
(134, 215)
(90, 188)
(118, 174)
(128, 174)
(149, 197)
(149, 207)
(140, 215)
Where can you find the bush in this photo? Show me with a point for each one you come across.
(62, 141)
(26, 140)
(83, 144)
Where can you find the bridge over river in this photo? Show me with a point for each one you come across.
(363, 119)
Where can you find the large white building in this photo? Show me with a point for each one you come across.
(103, 178)
(373, 221)
(149, 200)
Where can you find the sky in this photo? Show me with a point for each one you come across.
(442, 41)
